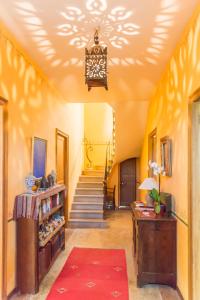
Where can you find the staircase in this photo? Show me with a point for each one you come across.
(87, 206)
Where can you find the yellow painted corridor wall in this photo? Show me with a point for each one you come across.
(34, 109)
(168, 113)
(98, 126)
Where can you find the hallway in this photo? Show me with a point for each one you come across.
(118, 235)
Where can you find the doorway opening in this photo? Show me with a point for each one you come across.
(62, 165)
(194, 204)
(127, 174)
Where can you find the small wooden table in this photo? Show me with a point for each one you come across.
(154, 239)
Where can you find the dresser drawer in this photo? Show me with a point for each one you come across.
(157, 225)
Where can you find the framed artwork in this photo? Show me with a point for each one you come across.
(166, 155)
(39, 156)
(152, 149)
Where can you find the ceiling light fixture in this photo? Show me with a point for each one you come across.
(96, 64)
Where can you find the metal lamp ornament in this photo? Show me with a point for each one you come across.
(96, 65)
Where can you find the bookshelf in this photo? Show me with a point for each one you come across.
(40, 235)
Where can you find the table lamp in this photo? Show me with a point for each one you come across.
(148, 184)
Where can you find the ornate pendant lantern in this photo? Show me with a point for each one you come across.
(96, 65)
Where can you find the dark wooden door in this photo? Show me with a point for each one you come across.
(127, 182)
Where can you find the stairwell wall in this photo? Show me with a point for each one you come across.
(98, 131)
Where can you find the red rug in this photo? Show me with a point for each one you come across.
(92, 274)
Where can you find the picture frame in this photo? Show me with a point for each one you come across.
(166, 155)
(152, 149)
(39, 156)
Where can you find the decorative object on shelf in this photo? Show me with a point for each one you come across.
(166, 155)
(155, 193)
(96, 64)
(39, 157)
(53, 174)
(50, 180)
(30, 182)
(149, 184)
(38, 183)
(44, 183)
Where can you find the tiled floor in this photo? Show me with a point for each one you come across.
(118, 235)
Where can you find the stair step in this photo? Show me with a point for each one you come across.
(87, 206)
(93, 172)
(93, 178)
(86, 214)
(82, 184)
(89, 191)
(87, 223)
(89, 198)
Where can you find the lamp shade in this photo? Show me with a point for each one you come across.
(148, 184)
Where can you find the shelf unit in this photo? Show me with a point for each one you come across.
(34, 257)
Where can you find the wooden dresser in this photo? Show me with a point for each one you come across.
(154, 239)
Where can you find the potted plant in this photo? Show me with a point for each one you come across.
(155, 194)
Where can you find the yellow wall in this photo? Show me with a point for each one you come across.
(168, 113)
(35, 109)
(98, 130)
(130, 127)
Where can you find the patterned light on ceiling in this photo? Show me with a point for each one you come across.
(96, 65)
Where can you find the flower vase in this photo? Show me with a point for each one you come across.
(157, 208)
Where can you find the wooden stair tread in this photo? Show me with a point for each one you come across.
(87, 220)
(86, 210)
(91, 182)
(89, 203)
(89, 188)
(90, 196)
(91, 176)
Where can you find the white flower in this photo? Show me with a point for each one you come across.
(154, 165)
(159, 170)
(156, 168)
(155, 172)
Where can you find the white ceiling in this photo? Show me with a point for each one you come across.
(140, 36)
